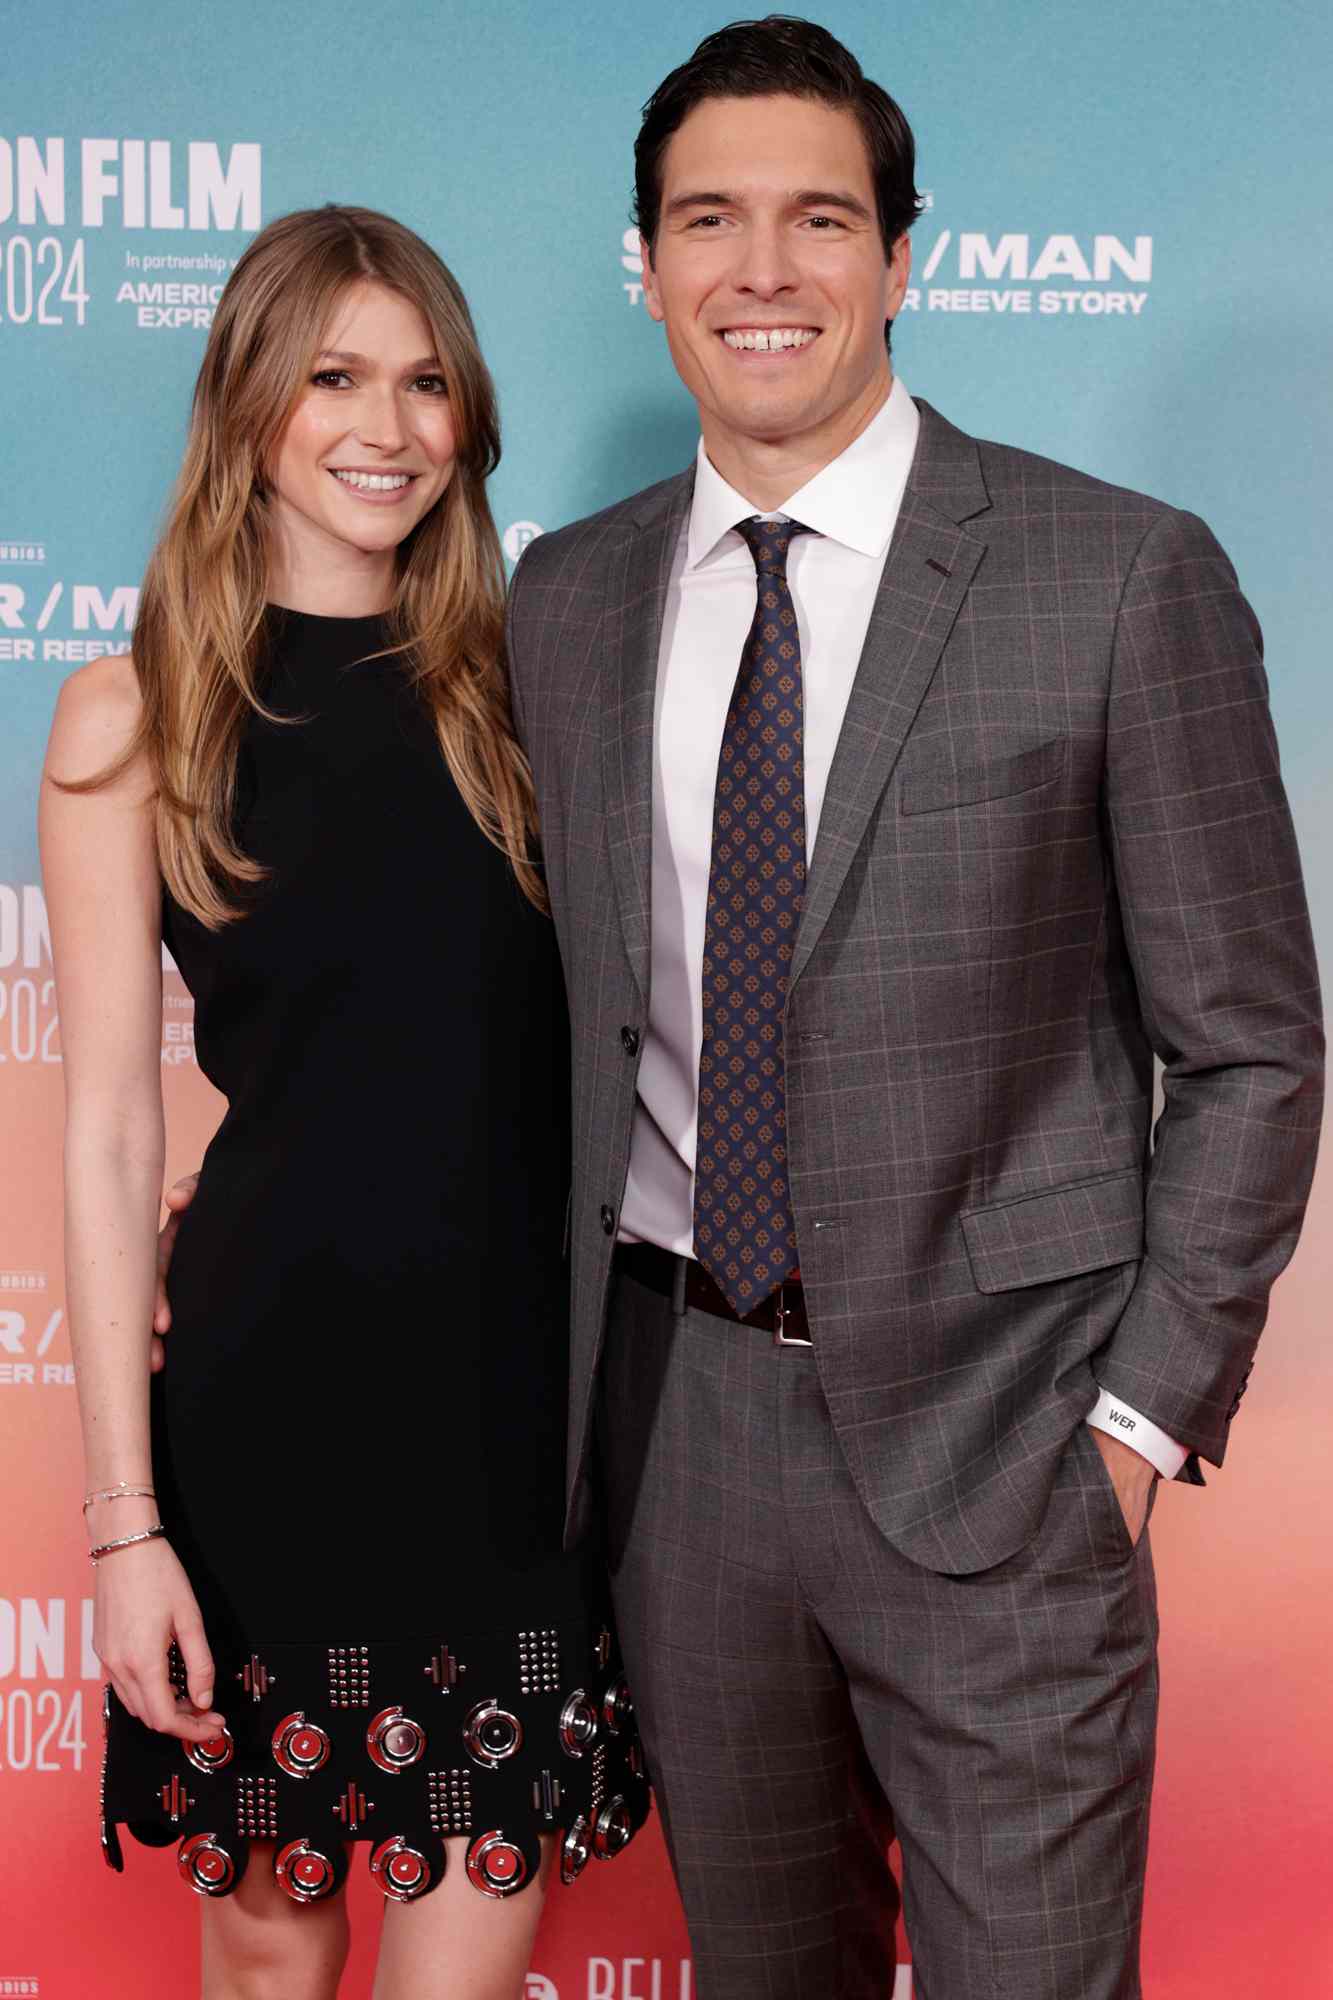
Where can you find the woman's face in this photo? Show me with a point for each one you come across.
(369, 447)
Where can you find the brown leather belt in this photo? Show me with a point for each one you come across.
(782, 1313)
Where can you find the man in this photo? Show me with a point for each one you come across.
(838, 1362)
(888, 1309)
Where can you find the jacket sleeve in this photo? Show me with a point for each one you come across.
(1209, 883)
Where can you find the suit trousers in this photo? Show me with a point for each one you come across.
(806, 1693)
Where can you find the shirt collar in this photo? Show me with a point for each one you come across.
(853, 500)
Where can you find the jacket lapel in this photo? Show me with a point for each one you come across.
(640, 575)
(930, 566)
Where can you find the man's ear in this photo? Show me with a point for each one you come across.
(651, 296)
(900, 272)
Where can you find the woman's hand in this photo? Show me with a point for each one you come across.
(142, 1601)
(177, 1199)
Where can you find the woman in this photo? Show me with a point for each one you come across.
(340, 1507)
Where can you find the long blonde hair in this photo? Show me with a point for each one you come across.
(197, 637)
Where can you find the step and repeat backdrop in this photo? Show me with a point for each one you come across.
(1124, 263)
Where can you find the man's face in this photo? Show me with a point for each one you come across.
(769, 270)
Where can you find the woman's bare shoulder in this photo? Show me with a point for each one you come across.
(97, 717)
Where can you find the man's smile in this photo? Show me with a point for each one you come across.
(768, 339)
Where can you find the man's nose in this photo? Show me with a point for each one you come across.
(766, 265)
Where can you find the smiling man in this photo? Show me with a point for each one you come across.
(901, 795)
(776, 295)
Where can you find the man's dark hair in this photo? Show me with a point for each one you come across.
(780, 56)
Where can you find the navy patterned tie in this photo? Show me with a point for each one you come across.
(744, 1231)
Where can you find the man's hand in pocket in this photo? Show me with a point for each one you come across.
(1132, 1477)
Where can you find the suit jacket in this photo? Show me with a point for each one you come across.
(1054, 841)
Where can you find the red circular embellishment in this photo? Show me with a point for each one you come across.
(209, 1865)
(309, 1868)
(502, 1865)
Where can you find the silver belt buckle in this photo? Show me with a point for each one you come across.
(781, 1338)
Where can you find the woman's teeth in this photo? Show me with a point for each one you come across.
(768, 340)
(373, 482)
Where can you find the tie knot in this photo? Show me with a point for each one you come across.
(769, 542)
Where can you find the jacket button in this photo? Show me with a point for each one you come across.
(608, 1219)
(629, 1041)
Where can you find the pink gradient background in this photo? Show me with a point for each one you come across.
(1239, 1899)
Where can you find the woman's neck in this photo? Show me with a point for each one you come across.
(356, 585)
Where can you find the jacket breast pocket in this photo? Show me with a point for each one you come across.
(938, 781)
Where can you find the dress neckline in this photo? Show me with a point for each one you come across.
(286, 614)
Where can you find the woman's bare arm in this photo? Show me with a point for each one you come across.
(103, 891)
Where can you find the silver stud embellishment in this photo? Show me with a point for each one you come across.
(176, 1801)
(539, 1662)
(402, 1872)
(303, 1873)
(546, 1794)
(495, 1865)
(443, 1669)
(257, 1807)
(578, 1724)
(349, 1676)
(255, 1678)
(491, 1733)
(353, 1807)
(618, 1707)
(393, 1740)
(614, 1829)
(213, 1753)
(450, 1801)
(205, 1864)
(575, 1849)
(299, 1747)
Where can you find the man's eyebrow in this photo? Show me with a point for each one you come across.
(831, 198)
(702, 199)
(799, 198)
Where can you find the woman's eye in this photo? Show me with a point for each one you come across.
(436, 384)
(330, 378)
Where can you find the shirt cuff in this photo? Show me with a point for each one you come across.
(1121, 1420)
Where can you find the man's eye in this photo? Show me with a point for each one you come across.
(825, 222)
(700, 221)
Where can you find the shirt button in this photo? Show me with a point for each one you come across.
(608, 1219)
(629, 1041)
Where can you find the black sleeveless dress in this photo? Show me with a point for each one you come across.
(359, 1433)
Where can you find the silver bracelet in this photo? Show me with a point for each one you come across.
(126, 1542)
(124, 1489)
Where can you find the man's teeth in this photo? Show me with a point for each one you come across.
(769, 340)
(373, 482)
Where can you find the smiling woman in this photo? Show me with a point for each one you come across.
(331, 1593)
(371, 435)
(260, 510)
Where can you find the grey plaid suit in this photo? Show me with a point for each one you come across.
(1054, 840)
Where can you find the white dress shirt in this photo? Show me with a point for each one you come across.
(852, 505)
